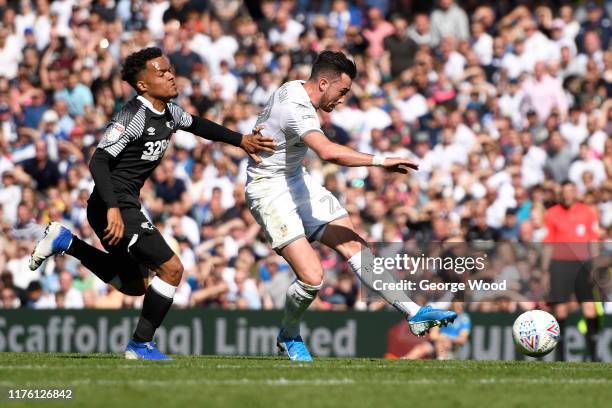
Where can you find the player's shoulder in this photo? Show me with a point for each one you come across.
(181, 117)
(293, 92)
(132, 106)
(175, 109)
(127, 111)
(172, 104)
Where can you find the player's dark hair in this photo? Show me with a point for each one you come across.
(136, 62)
(335, 63)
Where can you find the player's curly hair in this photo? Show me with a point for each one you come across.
(335, 63)
(136, 62)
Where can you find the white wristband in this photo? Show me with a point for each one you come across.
(378, 160)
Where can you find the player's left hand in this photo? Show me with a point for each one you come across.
(255, 142)
(399, 165)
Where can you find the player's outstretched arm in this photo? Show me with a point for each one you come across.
(345, 156)
(255, 142)
(251, 143)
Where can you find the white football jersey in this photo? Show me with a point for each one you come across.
(287, 118)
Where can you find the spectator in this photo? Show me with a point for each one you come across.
(245, 294)
(340, 17)
(287, 30)
(6, 282)
(72, 297)
(399, 48)
(537, 46)
(184, 59)
(342, 294)
(543, 93)
(517, 61)
(419, 31)
(264, 91)
(277, 281)
(77, 96)
(10, 54)
(496, 113)
(33, 112)
(378, 29)
(591, 51)
(41, 170)
(597, 20)
(482, 43)
(559, 157)
(39, 299)
(10, 196)
(9, 299)
(586, 163)
(410, 103)
(449, 20)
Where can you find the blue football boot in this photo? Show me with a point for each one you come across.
(144, 351)
(56, 240)
(428, 317)
(294, 347)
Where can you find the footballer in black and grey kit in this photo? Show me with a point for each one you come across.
(133, 145)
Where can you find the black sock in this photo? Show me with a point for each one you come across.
(154, 310)
(591, 337)
(101, 263)
(560, 350)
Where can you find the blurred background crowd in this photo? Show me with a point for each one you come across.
(499, 102)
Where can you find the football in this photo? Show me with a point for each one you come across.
(535, 333)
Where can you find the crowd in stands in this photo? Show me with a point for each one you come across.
(498, 101)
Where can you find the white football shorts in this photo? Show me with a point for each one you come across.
(288, 209)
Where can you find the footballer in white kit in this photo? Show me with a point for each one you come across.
(282, 196)
(293, 209)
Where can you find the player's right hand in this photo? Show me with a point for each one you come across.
(255, 142)
(115, 228)
(399, 165)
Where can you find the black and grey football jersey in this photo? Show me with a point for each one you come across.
(137, 138)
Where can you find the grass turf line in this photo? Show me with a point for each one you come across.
(104, 380)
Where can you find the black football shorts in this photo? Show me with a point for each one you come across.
(571, 277)
(142, 243)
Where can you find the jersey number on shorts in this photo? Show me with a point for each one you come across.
(332, 203)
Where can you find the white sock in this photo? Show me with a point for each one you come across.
(299, 296)
(163, 288)
(364, 261)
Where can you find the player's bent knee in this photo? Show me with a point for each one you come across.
(172, 271)
(177, 272)
(314, 278)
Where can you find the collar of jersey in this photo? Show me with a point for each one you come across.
(149, 105)
(307, 102)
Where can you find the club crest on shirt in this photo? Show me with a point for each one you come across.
(114, 132)
(169, 124)
(580, 230)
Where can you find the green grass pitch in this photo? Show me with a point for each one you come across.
(104, 380)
